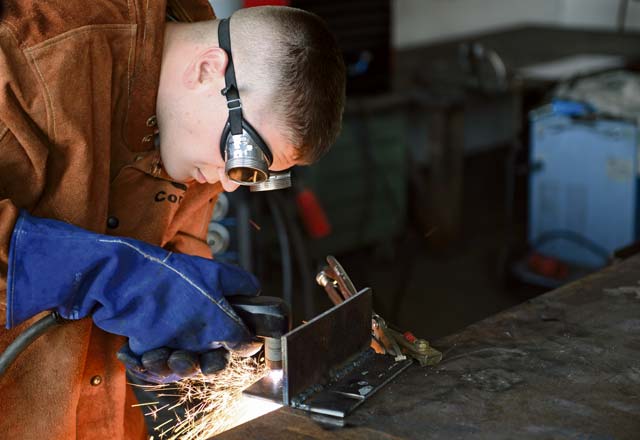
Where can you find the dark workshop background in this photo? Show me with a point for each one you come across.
(427, 191)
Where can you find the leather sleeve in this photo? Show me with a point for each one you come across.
(22, 169)
(14, 190)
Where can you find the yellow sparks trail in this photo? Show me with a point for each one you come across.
(211, 404)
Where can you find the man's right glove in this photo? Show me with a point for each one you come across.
(154, 297)
(165, 365)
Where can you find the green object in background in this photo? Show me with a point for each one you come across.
(362, 182)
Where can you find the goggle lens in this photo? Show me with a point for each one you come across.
(246, 175)
(245, 162)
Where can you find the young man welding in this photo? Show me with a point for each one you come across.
(118, 130)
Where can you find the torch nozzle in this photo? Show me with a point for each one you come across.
(268, 318)
(273, 353)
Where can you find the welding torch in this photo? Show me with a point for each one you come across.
(268, 318)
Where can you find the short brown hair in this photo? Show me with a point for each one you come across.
(308, 74)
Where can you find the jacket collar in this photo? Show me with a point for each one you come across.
(143, 86)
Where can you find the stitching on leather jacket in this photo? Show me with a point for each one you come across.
(79, 31)
(50, 107)
(3, 131)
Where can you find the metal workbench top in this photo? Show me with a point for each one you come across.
(563, 365)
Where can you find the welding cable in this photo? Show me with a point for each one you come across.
(301, 255)
(25, 339)
(285, 251)
(244, 238)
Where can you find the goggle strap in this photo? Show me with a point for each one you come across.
(234, 104)
(253, 133)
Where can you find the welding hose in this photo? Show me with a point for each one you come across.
(24, 339)
(301, 255)
(285, 250)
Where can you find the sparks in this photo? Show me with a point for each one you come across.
(213, 404)
(255, 225)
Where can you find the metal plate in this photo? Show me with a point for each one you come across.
(371, 372)
(312, 352)
(328, 367)
(266, 388)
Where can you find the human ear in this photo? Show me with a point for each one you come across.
(206, 67)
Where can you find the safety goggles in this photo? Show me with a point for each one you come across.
(247, 156)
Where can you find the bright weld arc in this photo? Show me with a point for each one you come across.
(275, 375)
(214, 404)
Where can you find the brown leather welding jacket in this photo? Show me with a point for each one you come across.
(78, 86)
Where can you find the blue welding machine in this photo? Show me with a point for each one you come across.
(583, 188)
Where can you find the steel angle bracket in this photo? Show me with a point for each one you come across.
(328, 367)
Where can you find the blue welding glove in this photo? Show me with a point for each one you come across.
(165, 365)
(154, 297)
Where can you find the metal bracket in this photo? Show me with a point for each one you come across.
(328, 367)
(368, 373)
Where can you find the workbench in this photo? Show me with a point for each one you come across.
(565, 365)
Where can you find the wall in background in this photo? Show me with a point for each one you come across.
(224, 8)
(426, 21)
(599, 13)
(417, 22)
